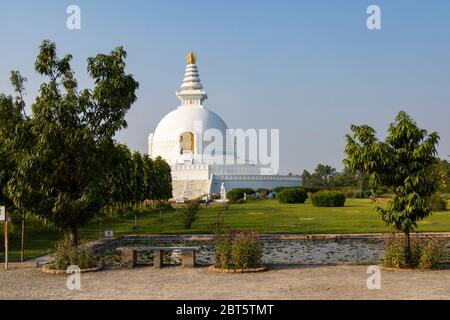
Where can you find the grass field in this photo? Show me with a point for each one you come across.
(264, 216)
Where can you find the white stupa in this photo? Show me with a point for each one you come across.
(178, 139)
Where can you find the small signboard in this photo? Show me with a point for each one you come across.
(2, 214)
(109, 234)
(179, 200)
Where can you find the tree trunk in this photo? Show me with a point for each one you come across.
(22, 240)
(361, 178)
(73, 236)
(408, 248)
(100, 235)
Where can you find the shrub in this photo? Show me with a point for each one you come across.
(350, 194)
(425, 253)
(432, 252)
(438, 203)
(246, 251)
(328, 199)
(263, 192)
(238, 250)
(222, 250)
(189, 214)
(238, 194)
(65, 255)
(296, 195)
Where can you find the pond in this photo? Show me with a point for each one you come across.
(326, 251)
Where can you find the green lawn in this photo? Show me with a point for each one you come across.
(265, 216)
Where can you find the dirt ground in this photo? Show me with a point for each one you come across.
(280, 282)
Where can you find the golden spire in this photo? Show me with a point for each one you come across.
(191, 58)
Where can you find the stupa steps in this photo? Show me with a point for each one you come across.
(190, 189)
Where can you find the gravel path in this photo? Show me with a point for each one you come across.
(281, 282)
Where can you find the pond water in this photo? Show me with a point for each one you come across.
(328, 251)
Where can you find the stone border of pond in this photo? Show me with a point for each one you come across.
(250, 270)
(100, 244)
(46, 270)
(443, 266)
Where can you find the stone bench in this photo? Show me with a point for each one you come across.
(128, 255)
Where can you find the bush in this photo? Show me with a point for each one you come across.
(328, 199)
(238, 194)
(246, 251)
(296, 195)
(438, 203)
(263, 192)
(64, 255)
(425, 253)
(350, 194)
(189, 214)
(238, 250)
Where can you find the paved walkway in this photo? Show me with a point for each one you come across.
(281, 282)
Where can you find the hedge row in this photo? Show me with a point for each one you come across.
(291, 195)
(328, 199)
(238, 194)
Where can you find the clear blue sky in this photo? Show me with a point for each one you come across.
(309, 68)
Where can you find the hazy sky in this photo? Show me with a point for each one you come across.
(309, 68)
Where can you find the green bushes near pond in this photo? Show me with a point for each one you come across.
(65, 255)
(328, 199)
(238, 250)
(425, 253)
(292, 195)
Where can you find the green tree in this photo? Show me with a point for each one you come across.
(322, 176)
(119, 177)
(346, 178)
(72, 131)
(162, 184)
(403, 163)
(149, 177)
(14, 136)
(138, 177)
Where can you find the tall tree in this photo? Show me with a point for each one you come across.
(138, 177)
(73, 130)
(162, 180)
(405, 163)
(322, 177)
(149, 177)
(14, 137)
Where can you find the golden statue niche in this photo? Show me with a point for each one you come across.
(187, 143)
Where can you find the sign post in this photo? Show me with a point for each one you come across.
(3, 218)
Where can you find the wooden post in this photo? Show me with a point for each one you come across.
(100, 235)
(22, 240)
(6, 243)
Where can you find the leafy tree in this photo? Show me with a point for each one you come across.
(138, 177)
(72, 131)
(404, 163)
(322, 176)
(162, 184)
(149, 177)
(14, 136)
(119, 177)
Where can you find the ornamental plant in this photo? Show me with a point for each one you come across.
(328, 199)
(405, 163)
(292, 195)
(65, 255)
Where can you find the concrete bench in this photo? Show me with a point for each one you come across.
(128, 255)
